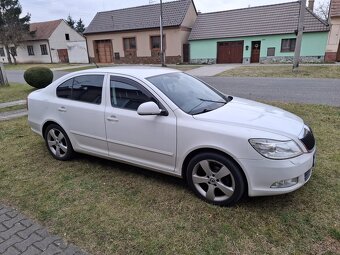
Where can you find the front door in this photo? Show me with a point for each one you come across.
(230, 52)
(255, 51)
(63, 55)
(149, 141)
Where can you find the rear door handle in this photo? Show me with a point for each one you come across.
(112, 118)
(62, 109)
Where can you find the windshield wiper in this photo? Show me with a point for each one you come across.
(212, 101)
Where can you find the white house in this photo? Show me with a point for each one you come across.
(50, 42)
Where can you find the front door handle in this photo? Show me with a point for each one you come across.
(112, 118)
(62, 109)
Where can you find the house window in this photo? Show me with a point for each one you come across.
(43, 49)
(129, 43)
(67, 37)
(270, 52)
(2, 52)
(13, 51)
(156, 42)
(30, 50)
(288, 45)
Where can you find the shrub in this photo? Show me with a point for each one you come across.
(38, 77)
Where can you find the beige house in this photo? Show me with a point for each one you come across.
(333, 46)
(132, 35)
(49, 42)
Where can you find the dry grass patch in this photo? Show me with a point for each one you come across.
(312, 71)
(111, 208)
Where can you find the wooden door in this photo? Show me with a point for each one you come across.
(63, 55)
(186, 53)
(104, 51)
(255, 51)
(230, 52)
(338, 54)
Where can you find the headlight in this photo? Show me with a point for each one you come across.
(274, 149)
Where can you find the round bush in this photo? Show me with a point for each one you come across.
(38, 77)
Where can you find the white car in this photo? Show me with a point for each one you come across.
(167, 121)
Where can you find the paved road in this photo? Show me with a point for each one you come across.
(299, 90)
(20, 235)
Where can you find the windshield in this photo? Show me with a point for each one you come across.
(189, 94)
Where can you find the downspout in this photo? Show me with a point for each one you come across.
(49, 48)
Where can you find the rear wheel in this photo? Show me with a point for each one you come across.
(215, 179)
(58, 143)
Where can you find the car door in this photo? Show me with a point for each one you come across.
(149, 141)
(81, 107)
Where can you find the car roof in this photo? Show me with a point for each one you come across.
(140, 72)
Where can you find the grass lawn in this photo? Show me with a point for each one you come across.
(26, 66)
(13, 108)
(14, 92)
(311, 71)
(110, 208)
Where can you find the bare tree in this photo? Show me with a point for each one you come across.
(322, 10)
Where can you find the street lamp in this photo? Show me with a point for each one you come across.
(161, 30)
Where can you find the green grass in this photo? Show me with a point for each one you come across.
(12, 108)
(26, 66)
(312, 71)
(14, 92)
(110, 208)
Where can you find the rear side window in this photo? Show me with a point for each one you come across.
(85, 88)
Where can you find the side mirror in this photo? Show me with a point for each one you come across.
(149, 108)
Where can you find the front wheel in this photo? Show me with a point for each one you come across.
(215, 179)
(58, 143)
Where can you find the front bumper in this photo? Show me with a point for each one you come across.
(261, 174)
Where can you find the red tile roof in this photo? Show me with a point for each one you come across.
(43, 30)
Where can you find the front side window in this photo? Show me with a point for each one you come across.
(127, 94)
(85, 88)
(130, 43)
(43, 49)
(288, 45)
(2, 52)
(189, 94)
(30, 50)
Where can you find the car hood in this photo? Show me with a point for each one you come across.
(251, 114)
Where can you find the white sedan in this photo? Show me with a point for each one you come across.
(167, 121)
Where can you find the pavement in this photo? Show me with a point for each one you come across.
(212, 70)
(20, 235)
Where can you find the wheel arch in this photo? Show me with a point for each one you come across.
(46, 124)
(213, 150)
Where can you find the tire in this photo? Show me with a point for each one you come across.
(58, 143)
(215, 179)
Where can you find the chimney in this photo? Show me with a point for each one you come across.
(311, 5)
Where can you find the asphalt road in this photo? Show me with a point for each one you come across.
(298, 90)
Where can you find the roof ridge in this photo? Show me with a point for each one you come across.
(247, 8)
(46, 21)
(145, 5)
(317, 17)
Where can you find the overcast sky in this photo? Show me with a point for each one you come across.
(43, 10)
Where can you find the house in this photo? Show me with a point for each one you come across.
(333, 46)
(50, 42)
(132, 35)
(265, 34)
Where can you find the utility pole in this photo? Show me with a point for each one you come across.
(299, 35)
(162, 43)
